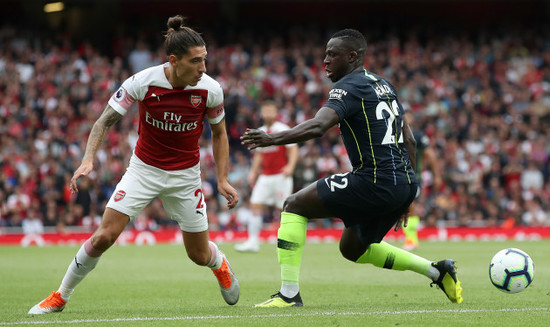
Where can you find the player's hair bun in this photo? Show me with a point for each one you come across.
(175, 23)
(179, 38)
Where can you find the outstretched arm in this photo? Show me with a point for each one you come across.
(311, 128)
(108, 118)
(220, 147)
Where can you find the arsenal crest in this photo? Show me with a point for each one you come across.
(196, 100)
(119, 195)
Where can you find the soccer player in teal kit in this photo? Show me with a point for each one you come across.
(371, 198)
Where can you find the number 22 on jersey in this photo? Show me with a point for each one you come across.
(393, 112)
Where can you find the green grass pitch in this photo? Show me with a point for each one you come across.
(159, 286)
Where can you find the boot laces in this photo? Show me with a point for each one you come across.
(54, 300)
(223, 274)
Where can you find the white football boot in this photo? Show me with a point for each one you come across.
(229, 285)
(53, 303)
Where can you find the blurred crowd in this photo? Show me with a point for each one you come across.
(483, 101)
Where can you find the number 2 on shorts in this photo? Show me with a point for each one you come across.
(198, 193)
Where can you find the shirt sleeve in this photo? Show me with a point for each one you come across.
(214, 105)
(337, 100)
(125, 96)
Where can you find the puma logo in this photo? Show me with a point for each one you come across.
(78, 264)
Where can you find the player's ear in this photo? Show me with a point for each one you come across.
(352, 56)
(172, 59)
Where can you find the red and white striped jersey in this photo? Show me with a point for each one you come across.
(171, 120)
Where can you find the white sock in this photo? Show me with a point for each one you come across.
(85, 260)
(290, 291)
(216, 258)
(254, 228)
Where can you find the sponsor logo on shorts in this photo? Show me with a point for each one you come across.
(119, 195)
(196, 100)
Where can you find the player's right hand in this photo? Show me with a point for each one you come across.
(229, 193)
(254, 138)
(84, 169)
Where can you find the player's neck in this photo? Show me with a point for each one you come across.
(357, 68)
(172, 78)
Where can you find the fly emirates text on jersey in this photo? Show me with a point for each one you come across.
(171, 122)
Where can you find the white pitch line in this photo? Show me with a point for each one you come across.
(311, 314)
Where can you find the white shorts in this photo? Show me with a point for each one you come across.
(272, 190)
(179, 190)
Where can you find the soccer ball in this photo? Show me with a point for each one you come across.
(511, 270)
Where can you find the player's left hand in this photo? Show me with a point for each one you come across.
(229, 193)
(403, 221)
(255, 138)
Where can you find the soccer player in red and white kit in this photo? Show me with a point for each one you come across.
(174, 98)
(274, 184)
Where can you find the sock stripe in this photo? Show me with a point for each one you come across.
(286, 245)
(390, 259)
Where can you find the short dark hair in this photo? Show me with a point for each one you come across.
(179, 38)
(353, 38)
(268, 102)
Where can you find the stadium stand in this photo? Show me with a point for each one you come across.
(482, 95)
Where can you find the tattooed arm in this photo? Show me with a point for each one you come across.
(108, 118)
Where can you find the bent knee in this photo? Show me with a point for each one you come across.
(352, 250)
(290, 204)
(102, 240)
(352, 256)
